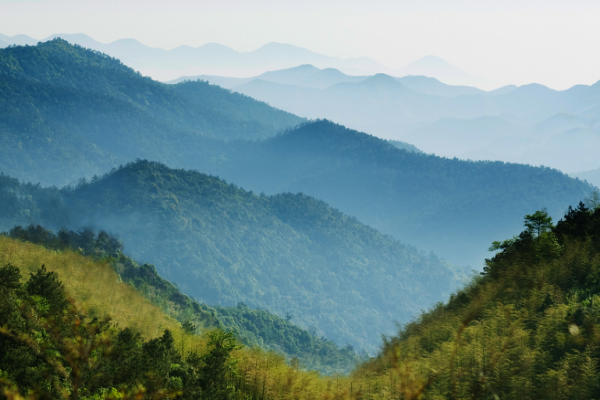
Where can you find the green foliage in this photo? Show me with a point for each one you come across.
(61, 354)
(538, 222)
(526, 329)
(287, 253)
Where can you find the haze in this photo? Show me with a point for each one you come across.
(508, 42)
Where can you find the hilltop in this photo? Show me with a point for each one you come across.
(287, 253)
(69, 111)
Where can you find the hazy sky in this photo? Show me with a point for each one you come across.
(556, 43)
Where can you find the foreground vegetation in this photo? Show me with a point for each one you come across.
(528, 328)
(252, 327)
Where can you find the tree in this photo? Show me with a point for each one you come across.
(538, 222)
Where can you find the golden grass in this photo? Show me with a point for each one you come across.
(96, 289)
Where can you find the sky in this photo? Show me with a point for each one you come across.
(556, 43)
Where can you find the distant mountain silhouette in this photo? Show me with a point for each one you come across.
(209, 59)
(441, 70)
(451, 121)
(592, 176)
(19, 40)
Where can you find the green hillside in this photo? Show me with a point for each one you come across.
(253, 328)
(71, 329)
(452, 207)
(526, 329)
(288, 254)
(68, 112)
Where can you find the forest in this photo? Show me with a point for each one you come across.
(72, 113)
(287, 253)
(252, 327)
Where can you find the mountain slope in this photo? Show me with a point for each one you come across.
(450, 206)
(84, 110)
(526, 329)
(286, 253)
(253, 328)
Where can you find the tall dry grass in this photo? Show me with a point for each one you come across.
(97, 290)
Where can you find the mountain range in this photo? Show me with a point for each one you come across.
(530, 124)
(81, 113)
(110, 116)
(216, 59)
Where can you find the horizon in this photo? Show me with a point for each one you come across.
(488, 86)
(510, 43)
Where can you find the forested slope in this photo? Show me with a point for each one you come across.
(453, 207)
(287, 253)
(526, 329)
(72, 329)
(252, 327)
(68, 111)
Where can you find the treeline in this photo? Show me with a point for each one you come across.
(254, 328)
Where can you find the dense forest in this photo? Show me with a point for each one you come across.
(452, 207)
(252, 327)
(527, 328)
(288, 253)
(68, 112)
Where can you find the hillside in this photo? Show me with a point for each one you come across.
(252, 327)
(526, 328)
(288, 253)
(68, 112)
(452, 207)
(72, 329)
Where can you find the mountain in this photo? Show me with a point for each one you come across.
(72, 325)
(438, 204)
(526, 328)
(288, 253)
(442, 70)
(433, 86)
(69, 112)
(426, 201)
(564, 141)
(19, 40)
(209, 59)
(512, 124)
(592, 176)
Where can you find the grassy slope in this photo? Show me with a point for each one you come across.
(98, 291)
(254, 328)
